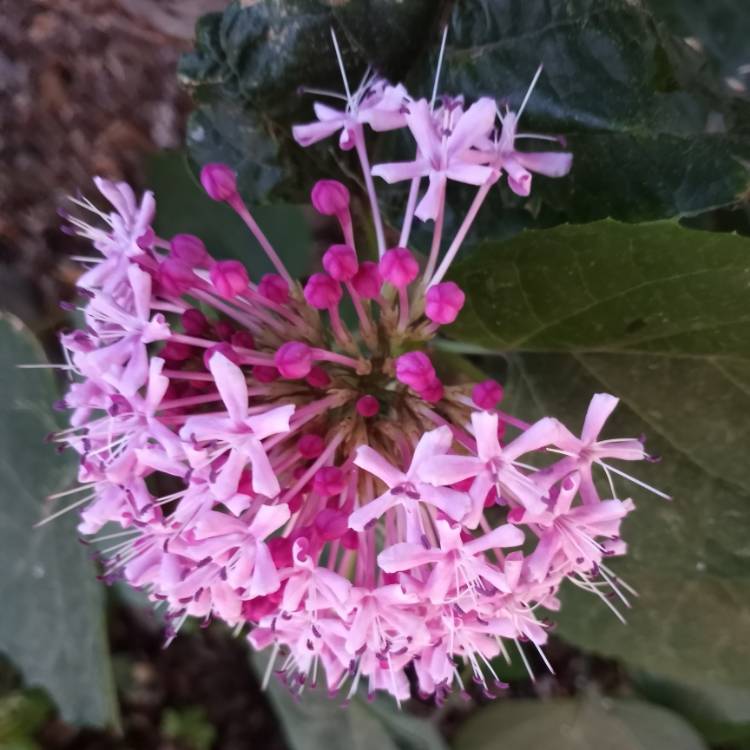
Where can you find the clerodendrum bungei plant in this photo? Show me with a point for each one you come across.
(363, 519)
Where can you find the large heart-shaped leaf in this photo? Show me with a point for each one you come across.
(589, 724)
(660, 316)
(52, 626)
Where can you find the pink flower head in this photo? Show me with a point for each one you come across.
(293, 360)
(415, 369)
(341, 262)
(399, 267)
(189, 249)
(230, 278)
(274, 287)
(367, 281)
(322, 291)
(330, 198)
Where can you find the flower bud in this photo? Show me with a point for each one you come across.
(311, 445)
(322, 292)
(189, 249)
(219, 181)
(443, 302)
(293, 360)
(487, 394)
(433, 391)
(368, 406)
(415, 370)
(341, 262)
(194, 322)
(229, 277)
(330, 197)
(222, 348)
(399, 267)
(331, 523)
(318, 377)
(176, 277)
(242, 340)
(329, 481)
(274, 287)
(367, 281)
(265, 373)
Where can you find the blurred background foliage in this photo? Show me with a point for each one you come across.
(632, 275)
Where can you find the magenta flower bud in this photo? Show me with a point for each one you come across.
(274, 287)
(224, 330)
(341, 262)
(487, 394)
(331, 523)
(242, 340)
(176, 351)
(416, 370)
(222, 348)
(367, 282)
(443, 302)
(322, 292)
(433, 391)
(265, 373)
(399, 267)
(147, 239)
(311, 446)
(229, 277)
(318, 377)
(189, 249)
(329, 481)
(368, 406)
(176, 277)
(330, 197)
(194, 322)
(219, 181)
(293, 360)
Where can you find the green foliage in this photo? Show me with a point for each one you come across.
(658, 315)
(189, 727)
(317, 722)
(22, 715)
(52, 627)
(592, 723)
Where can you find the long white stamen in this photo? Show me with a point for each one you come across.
(528, 92)
(439, 67)
(341, 65)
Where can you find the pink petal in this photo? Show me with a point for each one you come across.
(519, 179)
(371, 511)
(443, 470)
(231, 384)
(398, 171)
(272, 422)
(265, 579)
(140, 281)
(370, 460)
(471, 174)
(472, 126)
(265, 481)
(454, 504)
(157, 384)
(420, 122)
(405, 556)
(549, 163)
(329, 114)
(428, 207)
(268, 519)
(541, 434)
(306, 135)
(506, 535)
(433, 443)
(600, 408)
(228, 477)
(485, 432)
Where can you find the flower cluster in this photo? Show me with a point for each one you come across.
(247, 456)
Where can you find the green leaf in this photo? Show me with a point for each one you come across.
(52, 626)
(720, 713)
(183, 207)
(590, 724)
(630, 99)
(721, 28)
(317, 722)
(658, 315)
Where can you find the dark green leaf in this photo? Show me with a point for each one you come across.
(628, 97)
(317, 722)
(658, 315)
(720, 713)
(590, 724)
(52, 625)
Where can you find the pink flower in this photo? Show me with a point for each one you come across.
(406, 490)
(442, 148)
(237, 434)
